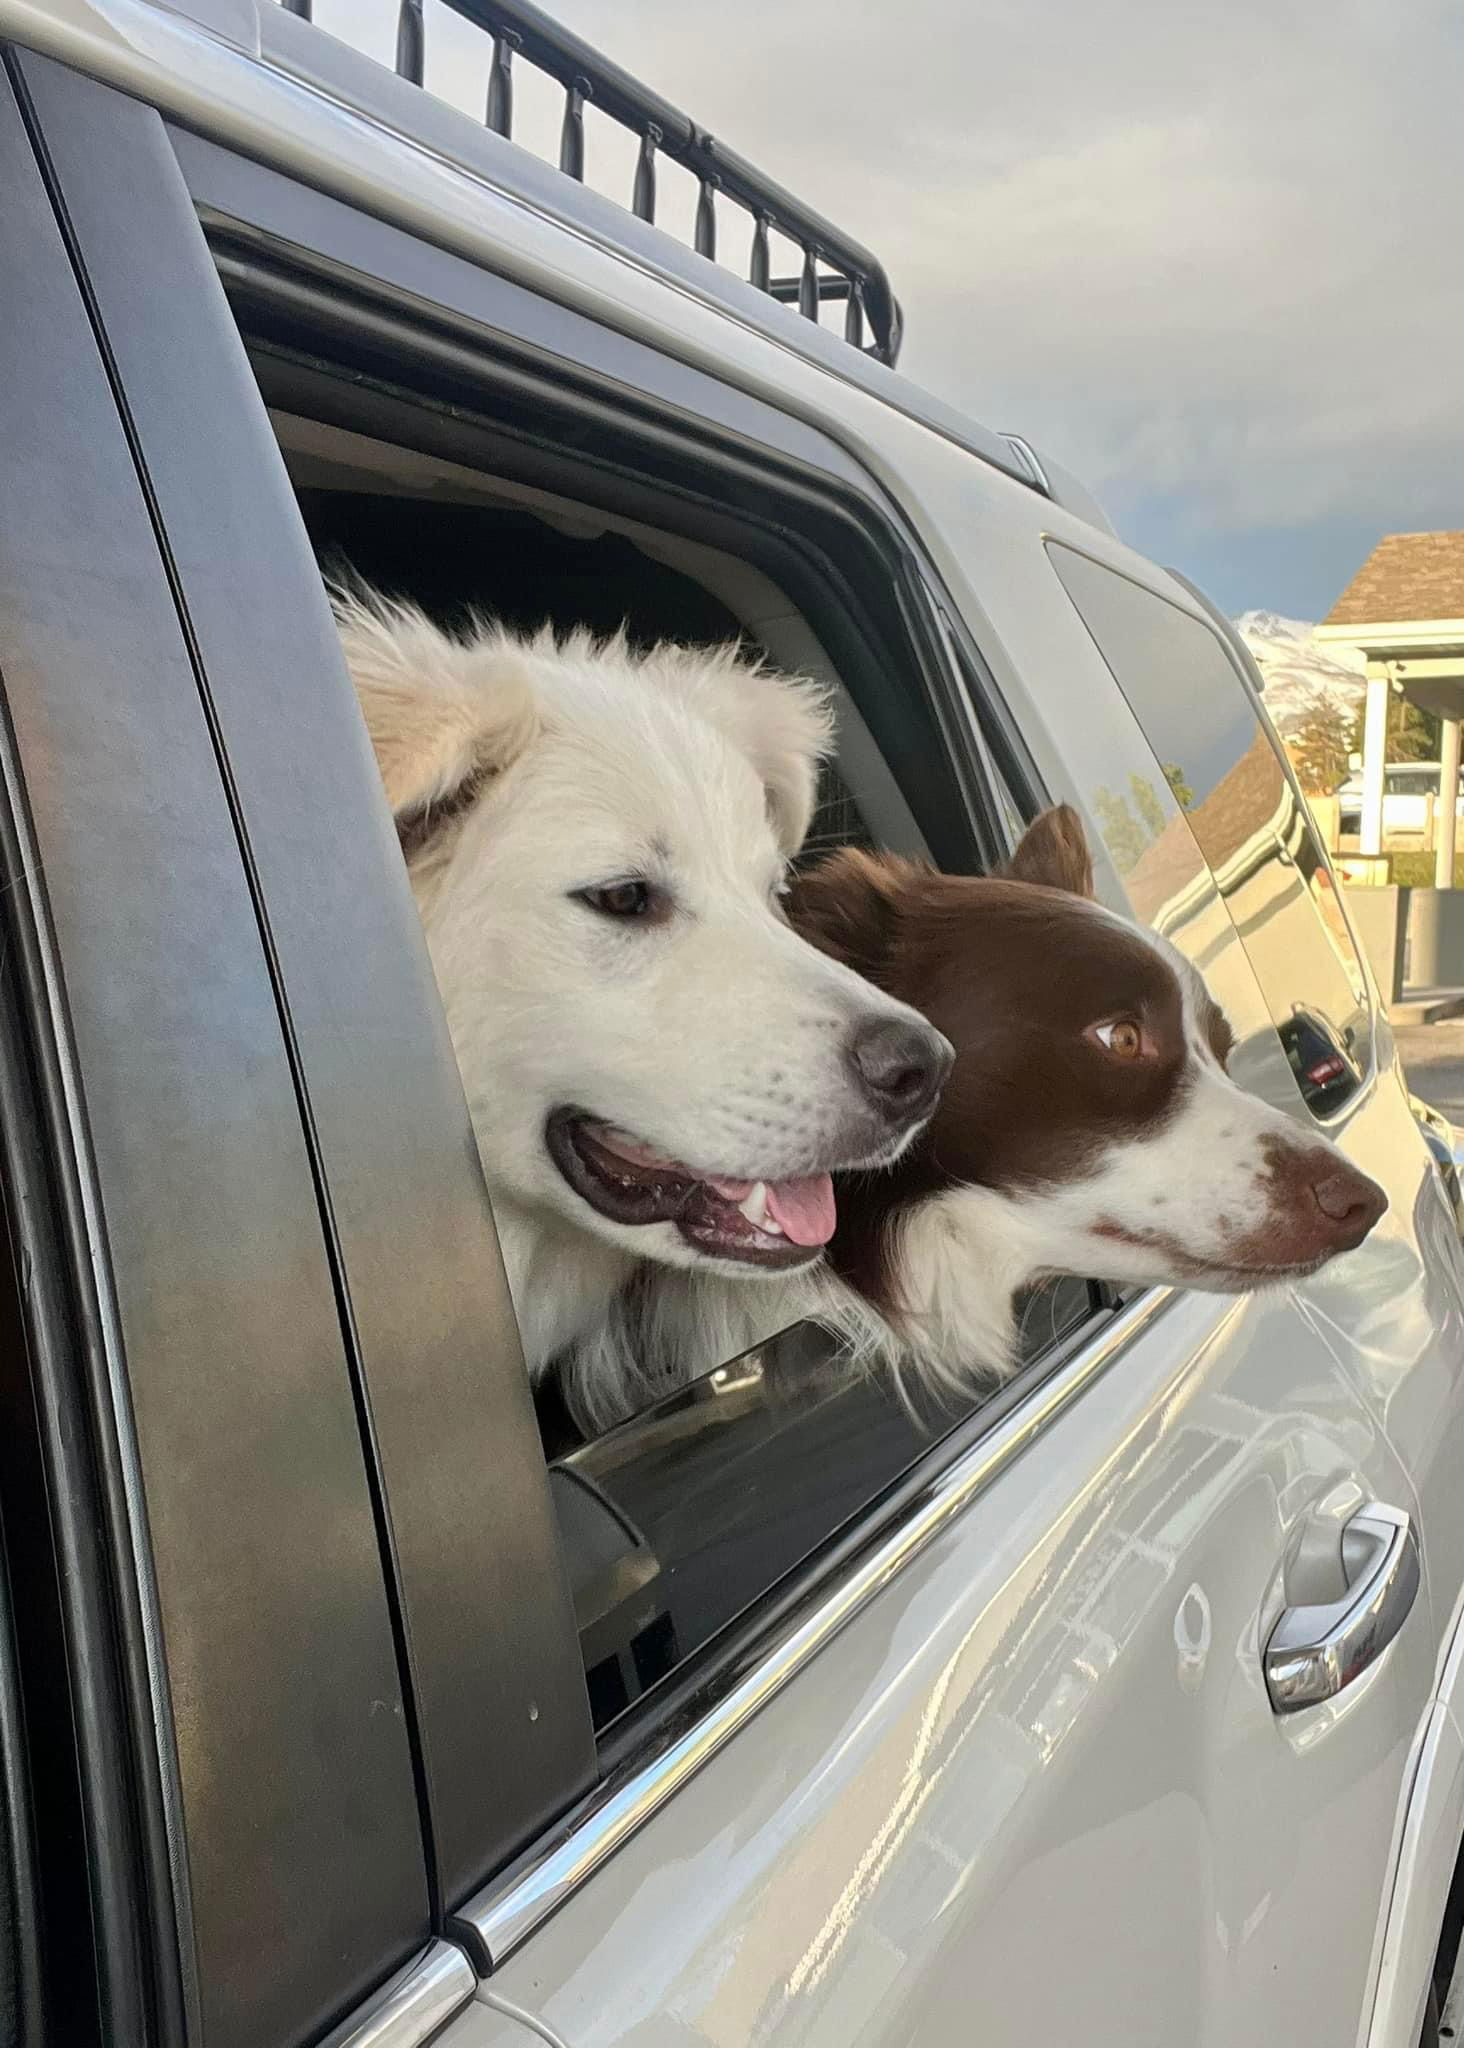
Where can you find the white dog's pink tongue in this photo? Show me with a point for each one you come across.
(804, 1209)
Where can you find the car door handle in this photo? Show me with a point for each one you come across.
(1314, 1651)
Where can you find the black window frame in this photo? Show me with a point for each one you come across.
(23, 2015)
(632, 427)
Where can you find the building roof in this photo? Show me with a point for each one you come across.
(1407, 576)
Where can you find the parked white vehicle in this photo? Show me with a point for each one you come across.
(342, 1697)
(1407, 787)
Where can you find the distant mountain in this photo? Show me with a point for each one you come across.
(1299, 676)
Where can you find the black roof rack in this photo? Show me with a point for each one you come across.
(835, 267)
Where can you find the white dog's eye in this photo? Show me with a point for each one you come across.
(631, 898)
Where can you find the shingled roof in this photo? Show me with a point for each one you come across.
(1407, 576)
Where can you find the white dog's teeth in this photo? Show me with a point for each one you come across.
(754, 1207)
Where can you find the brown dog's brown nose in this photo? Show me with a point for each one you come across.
(1350, 1201)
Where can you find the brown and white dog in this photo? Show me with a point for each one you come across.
(1088, 1126)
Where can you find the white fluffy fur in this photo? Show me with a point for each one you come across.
(717, 1037)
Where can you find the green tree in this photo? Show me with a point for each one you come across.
(1179, 789)
(1413, 735)
(1320, 748)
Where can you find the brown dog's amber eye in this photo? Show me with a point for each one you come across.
(1124, 1039)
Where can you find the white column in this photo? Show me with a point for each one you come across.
(1374, 757)
(1448, 811)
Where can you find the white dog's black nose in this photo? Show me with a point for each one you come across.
(901, 1065)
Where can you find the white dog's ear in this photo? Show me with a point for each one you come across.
(792, 736)
(443, 714)
(785, 726)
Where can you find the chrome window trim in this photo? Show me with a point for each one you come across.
(410, 2008)
(502, 1916)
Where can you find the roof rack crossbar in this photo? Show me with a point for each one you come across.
(835, 267)
(831, 288)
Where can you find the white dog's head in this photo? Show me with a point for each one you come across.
(597, 841)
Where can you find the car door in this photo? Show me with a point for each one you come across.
(187, 1511)
(1042, 657)
(1035, 1778)
(1389, 1317)
(1310, 1943)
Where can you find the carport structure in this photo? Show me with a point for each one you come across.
(1404, 613)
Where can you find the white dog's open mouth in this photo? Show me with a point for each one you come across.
(763, 1222)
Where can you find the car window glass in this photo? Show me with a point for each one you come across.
(681, 1520)
(1225, 789)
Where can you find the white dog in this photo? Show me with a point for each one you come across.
(656, 1066)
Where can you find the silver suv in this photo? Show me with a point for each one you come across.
(344, 1697)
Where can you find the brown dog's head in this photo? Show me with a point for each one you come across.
(1089, 1091)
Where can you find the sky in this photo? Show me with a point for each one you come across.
(1209, 258)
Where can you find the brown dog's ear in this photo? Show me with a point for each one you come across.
(849, 907)
(1054, 852)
